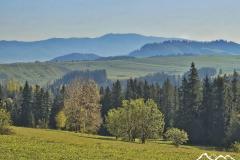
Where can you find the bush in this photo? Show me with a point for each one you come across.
(61, 120)
(4, 122)
(177, 136)
(236, 147)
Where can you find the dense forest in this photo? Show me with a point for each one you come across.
(208, 109)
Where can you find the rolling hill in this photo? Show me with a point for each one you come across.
(107, 45)
(76, 57)
(47, 72)
(176, 47)
(43, 144)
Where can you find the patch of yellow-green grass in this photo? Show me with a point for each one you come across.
(42, 144)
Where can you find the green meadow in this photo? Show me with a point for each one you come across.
(43, 144)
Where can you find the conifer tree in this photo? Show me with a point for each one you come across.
(116, 94)
(57, 106)
(206, 110)
(191, 100)
(217, 126)
(236, 91)
(45, 110)
(146, 90)
(27, 117)
(167, 104)
(37, 104)
(106, 102)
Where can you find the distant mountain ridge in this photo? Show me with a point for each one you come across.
(107, 45)
(76, 57)
(183, 47)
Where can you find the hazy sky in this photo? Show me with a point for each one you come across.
(193, 19)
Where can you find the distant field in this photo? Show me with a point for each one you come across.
(43, 73)
(58, 145)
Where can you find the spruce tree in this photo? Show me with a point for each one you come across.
(1, 95)
(37, 104)
(116, 95)
(146, 90)
(217, 127)
(46, 107)
(27, 117)
(57, 106)
(236, 91)
(129, 90)
(207, 110)
(106, 102)
(167, 104)
(191, 97)
(106, 106)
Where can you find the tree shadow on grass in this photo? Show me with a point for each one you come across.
(109, 139)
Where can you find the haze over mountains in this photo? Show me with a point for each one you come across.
(76, 57)
(110, 45)
(107, 45)
(219, 47)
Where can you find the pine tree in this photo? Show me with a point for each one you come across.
(167, 104)
(106, 106)
(116, 95)
(46, 107)
(217, 127)
(146, 91)
(1, 95)
(37, 104)
(182, 116)
(194, 102)
(57, 106)
(129, 90)
(236, 91)
(206, 110)
(234, 121)
(139, 89)
(1, 92)
(27, 117)
(176, 103)
(189, 117)
(106, 102)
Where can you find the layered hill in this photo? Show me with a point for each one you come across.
(76, 57)
(107, 45)
(179, 47)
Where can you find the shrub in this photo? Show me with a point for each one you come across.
(61, 120)
(236, 147)
(177, 136)
(4, 122)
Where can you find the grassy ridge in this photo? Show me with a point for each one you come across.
(43, 73)
(48, 144)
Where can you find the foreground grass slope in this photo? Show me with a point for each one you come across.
(43, 73)
(49, 144)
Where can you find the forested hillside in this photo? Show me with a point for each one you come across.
(205, 110)
(179, 47)
(43, 73)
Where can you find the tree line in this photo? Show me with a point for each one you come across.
(208, 110)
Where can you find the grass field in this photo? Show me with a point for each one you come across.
(43, 73)
(37, 144)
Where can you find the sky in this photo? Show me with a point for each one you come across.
(30, 20)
